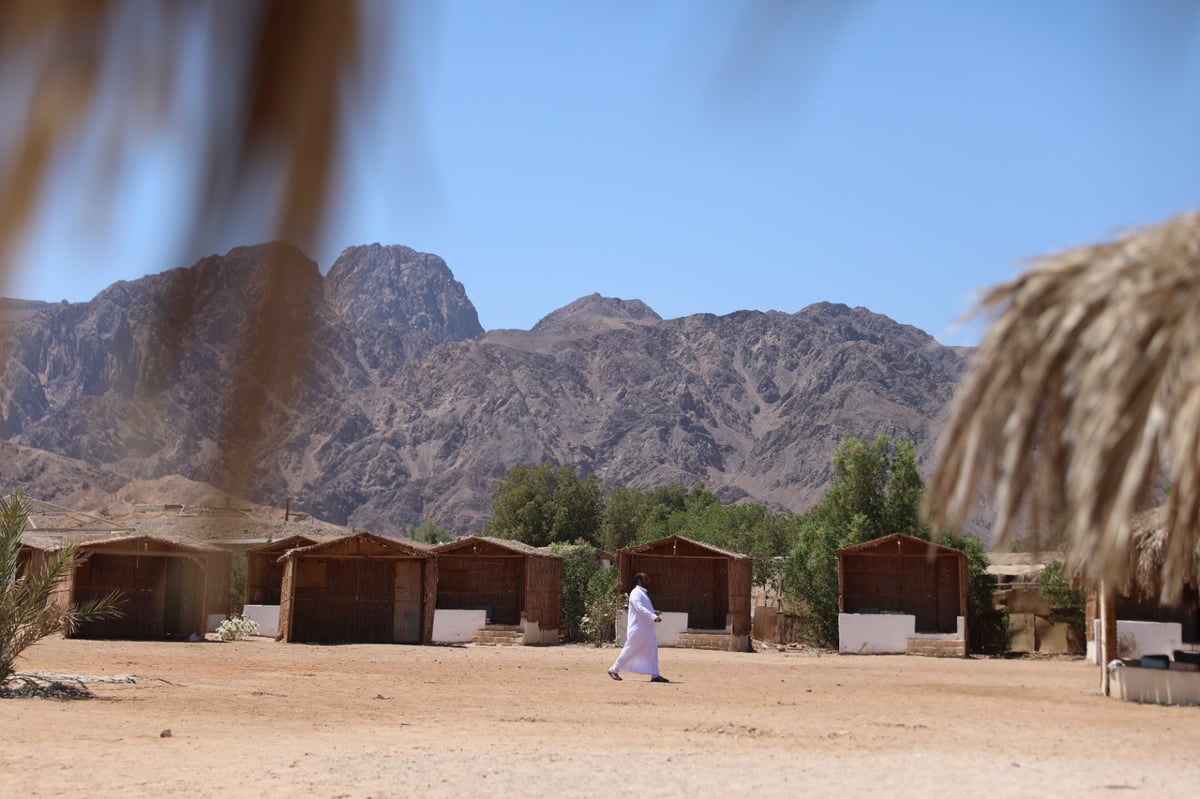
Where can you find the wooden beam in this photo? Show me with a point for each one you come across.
(1108, 634)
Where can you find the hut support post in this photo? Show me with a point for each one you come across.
(1108, 634)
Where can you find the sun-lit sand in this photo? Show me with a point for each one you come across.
(264, 719)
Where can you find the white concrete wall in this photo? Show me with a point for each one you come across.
(535, 636)
(266, 616)
(1137, 638)
(875, 633)
(457, 626)
(668, 629)
(1156, 686)
(213, 622)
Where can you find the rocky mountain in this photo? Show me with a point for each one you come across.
(389, 405)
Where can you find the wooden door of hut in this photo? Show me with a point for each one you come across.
(406, 614)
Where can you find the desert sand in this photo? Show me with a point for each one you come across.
(262, 719)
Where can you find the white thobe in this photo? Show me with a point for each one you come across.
(640, 653)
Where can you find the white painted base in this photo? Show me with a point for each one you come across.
(1156, 686)
(875, 633)
(457, 626)
(267, 618)
(668, 629)
(534, 635)
(1137, 638)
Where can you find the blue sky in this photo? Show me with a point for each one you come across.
(898, 155)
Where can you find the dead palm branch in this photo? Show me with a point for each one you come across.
(1084, 392)
(28, 610)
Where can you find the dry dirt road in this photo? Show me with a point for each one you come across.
(264, 719)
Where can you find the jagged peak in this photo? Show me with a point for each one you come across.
(596, 307)
(395, 285)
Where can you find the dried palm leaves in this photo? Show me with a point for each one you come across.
(255, 84)
(1085, 390)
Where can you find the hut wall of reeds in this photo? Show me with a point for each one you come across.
(362, 588)
(710, 585)
(264, 570)
(514, 583)
(167, 588)
(902, 574)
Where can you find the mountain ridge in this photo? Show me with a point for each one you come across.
(407, 410)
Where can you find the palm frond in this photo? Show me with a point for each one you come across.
(1084, 391)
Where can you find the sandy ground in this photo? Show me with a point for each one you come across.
(265, 719)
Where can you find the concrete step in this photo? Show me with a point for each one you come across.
(499, 637)
(714, 640)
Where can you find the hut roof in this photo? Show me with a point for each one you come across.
(907, 541)
(283, 544)
(1147, 557)
(55, 541)
(1021, 565)
(235, 527)
(1082, 395)
(472, 542)
(364, 544)
(674, 543)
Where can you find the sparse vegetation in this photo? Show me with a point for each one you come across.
(237, 628)
(429, 533)
(579, 566)
(1067, 603)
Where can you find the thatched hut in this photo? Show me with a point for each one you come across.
(507, 583)
(264, 569)
(902, 594)
(707, 588)
(1142, 622)
(168, 587)
(1083, 395)
(362, 588)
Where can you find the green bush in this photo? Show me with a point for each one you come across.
(579, 565)
(1067, 603)
(602, 601)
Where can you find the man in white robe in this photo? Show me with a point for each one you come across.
(640, 653)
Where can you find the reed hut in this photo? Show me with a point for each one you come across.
(168, 588)
(709, 585)
(515, 585)
(264, 569)
(1136, 605)
(362, 588)
(902, 576)
(1081, 396)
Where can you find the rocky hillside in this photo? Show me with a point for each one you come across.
(389, 404)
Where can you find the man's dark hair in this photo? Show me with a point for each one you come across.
(639, 578)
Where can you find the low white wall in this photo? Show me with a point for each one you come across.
(875, 633)
(213, 622)
(534, 635)
(1156, 686)
(457, 626)
(1137, 638)
(266, 616)
(668, 629)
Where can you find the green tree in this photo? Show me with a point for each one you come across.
(541, 504)
(623, 517)
(429, 533)
(601, 604)
(1067, 603)
(579, 565)
(26, 613)
(876, 490)
(979, 584)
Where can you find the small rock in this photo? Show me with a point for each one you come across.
(165, 733)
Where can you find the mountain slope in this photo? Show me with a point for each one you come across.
(400, 408)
